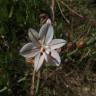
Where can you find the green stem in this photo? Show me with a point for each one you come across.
(38, 83)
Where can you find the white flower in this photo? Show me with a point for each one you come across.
(42, 47)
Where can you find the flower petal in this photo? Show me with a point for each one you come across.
(46, 31)
(56, 56)
(36, 61)
(39, 59)
(43, 31)
(33, 35)
(57, 43)
(49, 35)
(28, 50)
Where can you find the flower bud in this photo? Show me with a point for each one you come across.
(80, 44)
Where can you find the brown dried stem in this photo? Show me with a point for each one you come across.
(52, 9)
(62, 13)
(73, 11)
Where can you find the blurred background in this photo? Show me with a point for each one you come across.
(74, 21)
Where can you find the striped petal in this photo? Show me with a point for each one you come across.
(57, 43)
(39, 59)
(49, 35)
(53, 58)
(43, 31)
(56, 56)
(46, 32)
(28, 50)
(34, 36)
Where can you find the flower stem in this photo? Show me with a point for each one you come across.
(33, 85)
(38, 83)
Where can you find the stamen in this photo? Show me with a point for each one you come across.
(42, 50)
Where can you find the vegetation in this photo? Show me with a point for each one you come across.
(74, 21)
